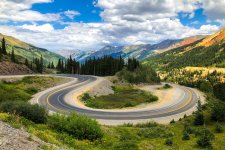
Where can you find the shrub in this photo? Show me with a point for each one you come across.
(86, 97)
(155, 132)
(199, 118)
(34, 113)
(186, 136)
(188, 129)
(218, 128)
(169, 142)
(218, 111)
(218, 91)
(79, 126)
(146, 125)
(205, 139)
(167, 86)
(206, 86)
(142, 74)
(172, 121)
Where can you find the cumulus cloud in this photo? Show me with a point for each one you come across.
(39, 28)
(214, 9)
(126, 22)
(19, 11)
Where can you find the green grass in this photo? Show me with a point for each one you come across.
(22, 90)
(126, 137)
(132, 137)
(124, 96)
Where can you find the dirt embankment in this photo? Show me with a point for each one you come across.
(8, 68)
(103, 88)
(19, 139)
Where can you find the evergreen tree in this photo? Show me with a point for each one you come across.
(186, 136)
(49, 65)
(13, 59)
(52, 66)
(0, 53)
(205, 140)
(4, 47)
(26, 63)
(41, 65)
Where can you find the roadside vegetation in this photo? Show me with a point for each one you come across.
(165, 86)
(138, 75)
(15, 94)
(81, 132)
(124, 96)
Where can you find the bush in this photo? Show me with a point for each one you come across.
(142, 74)
(218, 91)
(218, 111)
(199, 118)
(188, 128)
(155, 132)
(205, 139)
(79, 126)
(206, 86)
(186, 136)
(172, 121)
(34, 113)
(85, 97)
(218, 128)
(169, 142)
(167, 86)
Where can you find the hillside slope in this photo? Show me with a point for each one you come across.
(29, 51)
(209, 52)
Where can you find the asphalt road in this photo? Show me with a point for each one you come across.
(55, 101)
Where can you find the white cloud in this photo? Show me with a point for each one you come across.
(40, 28)
(125, 22)
(19, 11)
(71, 14)
(214, 9)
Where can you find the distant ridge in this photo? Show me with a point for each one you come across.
(139, 52)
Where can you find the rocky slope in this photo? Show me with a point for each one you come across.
(8, 68)
(19, 139)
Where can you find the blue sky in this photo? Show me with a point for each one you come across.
(88, 24)
(88, 12)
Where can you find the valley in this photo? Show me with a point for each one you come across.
(140, 91)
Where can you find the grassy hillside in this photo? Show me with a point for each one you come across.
(29, 51)
(209, 52)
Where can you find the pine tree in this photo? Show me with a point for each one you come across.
(13, 59)
(41, 65)
(4, 47)
(49, 65)
(52, 66)
(26, 63)
(0, 53)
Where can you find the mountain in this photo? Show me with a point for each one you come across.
(139, 52)
(208, 52)
(29, 51)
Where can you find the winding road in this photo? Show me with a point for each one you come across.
(61, 99)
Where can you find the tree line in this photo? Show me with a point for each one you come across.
(104, 66)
